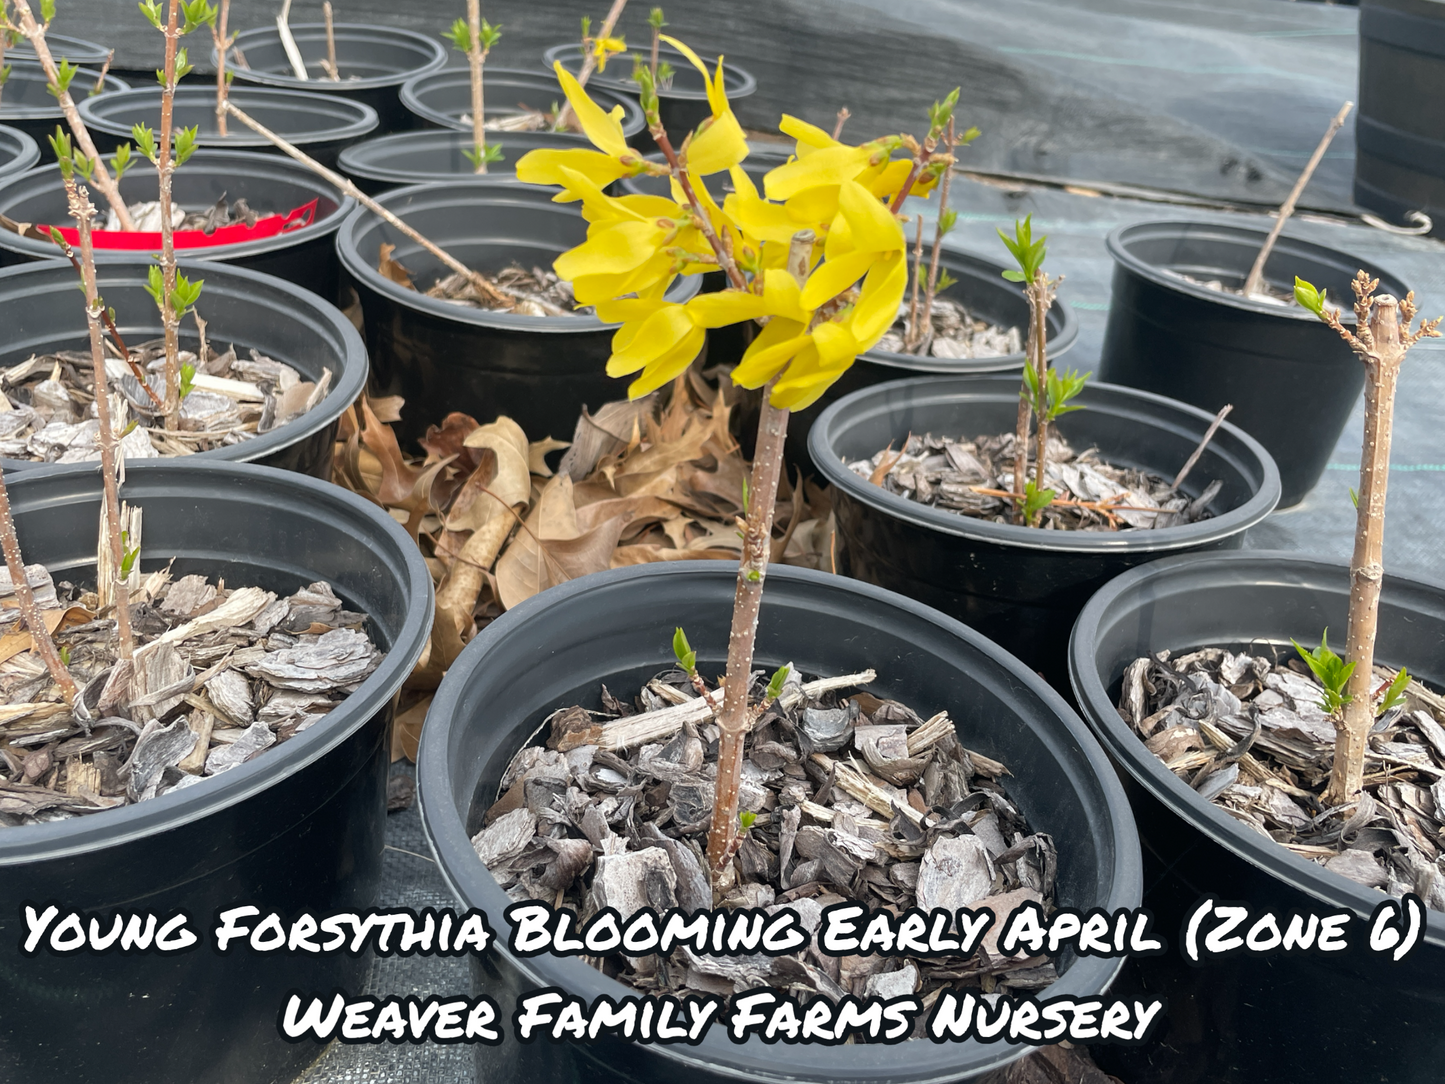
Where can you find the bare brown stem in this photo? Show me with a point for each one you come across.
(1040, 293)
(843, 115)
(589, 62)
(1021, 446)
(733, 718)
(35, 34)
(496, 292)
(704, 223)
(288, 42)
(222, 42)
(1203, 443)
(910, 327)
(165, 168)
(332, 71)
(1381, 339)
(82, 211)
(475, 56)
(104, 71)
(932, 288)
(656, 44)
(40, 638)
(1256, 273)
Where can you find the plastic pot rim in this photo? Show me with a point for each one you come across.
(506, 188)
(446, 835)
(1121, 237)
(218, 253)
(351, 164)
(310, 308)
(9, 111)
(961, 259)
(363, 118)
(25, 160)
(63, 47)
(1149, 772)
(42, 842)
(384, 34)
(738, 82)
(633, 121)
(1005, 389)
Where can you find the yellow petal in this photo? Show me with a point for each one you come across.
(648, 206)
(669, 366)
(717, 145)
(602, 128)
(873, 226)
(725, 307)
(774, 347)
(840, 238)
(878, 300)
(626, 310)
(716, 97)
(803, 392)
(762, 220)
(817, 204)
(832, 166)
(782, 295)
(654, 337)
(545, 165)
(810, 137)
(591, 289)
(597, 206)
(836, 345)
(616, 248)
(834, 276)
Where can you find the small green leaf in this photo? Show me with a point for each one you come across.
(129, 429)
(775, 685)
(183, 66)
(1395, 694)
(586, 27)
(460, 36)
(1331, 670)
(145, 139)
(754, 576)
(156, 286)
(947, 219)
(1015, 276)
(1354, 497)
(686, 656)
(185, 144)
(64, 73)
(121, 160)
(968, 137)
(151, 9)
(945, 280)
(1028, 252)
(65, 655)
(1035, 501)
(655, 20)
(490, 35)
(188, 379)
(47, 11)
(746, 819)
(1308, 296)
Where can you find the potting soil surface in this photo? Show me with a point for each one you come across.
(1115, 108)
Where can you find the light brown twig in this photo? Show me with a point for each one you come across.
(1203, 443)
(1256, 273)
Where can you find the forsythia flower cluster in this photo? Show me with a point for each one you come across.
(813, 326)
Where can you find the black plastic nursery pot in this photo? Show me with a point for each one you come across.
(1239, 1019)
(322, 125)
(616, 627)
(28, 105)
(305, 254)
(438, 155)
(373, 62)
(62, 47)
(18, 152)
(1023, 586)
(1400, 148)
(42, 311)
(441, 356)
(298, 828)
(1292, 380)
(442, 98)
(682, 106)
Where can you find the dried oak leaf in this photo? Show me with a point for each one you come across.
(390, 269)
(552, 548)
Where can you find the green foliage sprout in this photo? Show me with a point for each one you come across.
(1331, 670)
(1028, 252)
